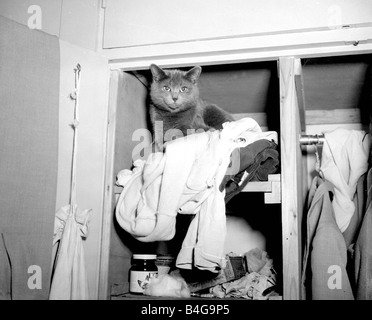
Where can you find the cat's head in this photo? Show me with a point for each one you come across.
(174, 90)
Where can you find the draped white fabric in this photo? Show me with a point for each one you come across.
(344, 161)
(69, 278)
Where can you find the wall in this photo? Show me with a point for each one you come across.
(75, 21)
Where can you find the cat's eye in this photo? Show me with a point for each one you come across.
(166, 88)
(184, 89)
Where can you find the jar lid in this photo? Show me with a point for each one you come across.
(144, 256)
(165, 257)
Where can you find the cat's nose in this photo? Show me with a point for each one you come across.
(174, 99)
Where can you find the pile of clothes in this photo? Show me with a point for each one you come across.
(195, 175)
(258, 282)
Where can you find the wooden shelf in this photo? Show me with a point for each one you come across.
(130, 296)
(121, 292)
(271, 188)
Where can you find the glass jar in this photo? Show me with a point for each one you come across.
(164, 264)
(142, 270)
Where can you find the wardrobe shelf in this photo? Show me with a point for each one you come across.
(271, 188)
(129, 296)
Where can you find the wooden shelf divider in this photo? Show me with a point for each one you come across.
(271, 188)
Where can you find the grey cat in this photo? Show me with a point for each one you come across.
(176, 107)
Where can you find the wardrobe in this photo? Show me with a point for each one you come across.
(305, 72)
(298, 98)
(305, 77)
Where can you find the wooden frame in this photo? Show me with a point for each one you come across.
(291, 186)
(103, 290)
(311, 117)
(313, 42)
(271, 188)
(291, 176)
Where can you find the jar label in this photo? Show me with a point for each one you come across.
(140, 279)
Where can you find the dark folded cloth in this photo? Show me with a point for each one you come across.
(258, 160)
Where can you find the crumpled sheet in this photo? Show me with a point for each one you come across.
(257, 282)
(259, 261)
(166, 285)
(251, 286)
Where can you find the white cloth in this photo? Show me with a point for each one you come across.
(344, 161)
(70, 280)
(184, 179)
(250, 286)
(246, 129)
(167, 285)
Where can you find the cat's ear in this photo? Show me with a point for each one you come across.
(194, 74)
(157, 72)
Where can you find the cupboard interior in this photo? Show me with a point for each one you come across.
(336, 90)
(337, 93)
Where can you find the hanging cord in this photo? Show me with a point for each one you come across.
(75, 96)
(317, 162)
